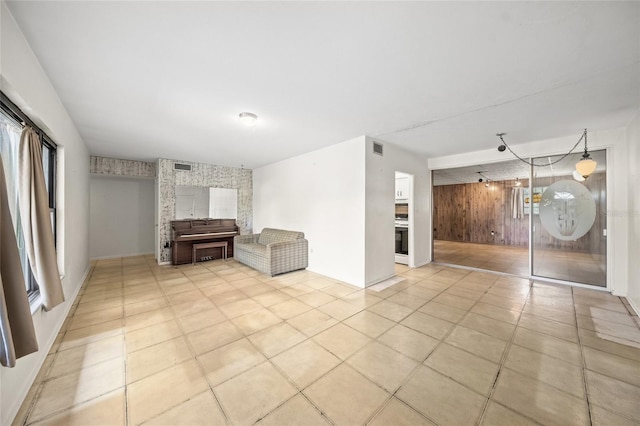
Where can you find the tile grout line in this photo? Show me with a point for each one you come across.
(310, 338)
(46, 372)
(244, 336)
(124, 347)
(411, 374)
(504, 352)
(582, 359)
(70, 316)
(585, 369)
(124, 319)
(555, 321)
(124, 338)
(457, 323)
(275, 366)
(192, 352)
(225, 415)
(501, 365)
(364, 309)
(421, 363)
(299, 391)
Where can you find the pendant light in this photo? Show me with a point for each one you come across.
(584, 167)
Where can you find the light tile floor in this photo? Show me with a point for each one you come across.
(219, 343)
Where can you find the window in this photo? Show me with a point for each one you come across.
(49, 166)
(11, 124)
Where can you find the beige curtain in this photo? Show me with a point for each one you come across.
(33, 200)
(517, 203)
(17, 335)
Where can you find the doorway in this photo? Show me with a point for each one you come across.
(484, 216)
(404, 219)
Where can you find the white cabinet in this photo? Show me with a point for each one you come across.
(402, 188)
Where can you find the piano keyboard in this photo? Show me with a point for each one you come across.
(207, 235)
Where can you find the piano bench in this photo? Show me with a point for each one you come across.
(202, 246)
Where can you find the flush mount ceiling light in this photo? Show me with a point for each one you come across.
(248, 118)
(584, 167)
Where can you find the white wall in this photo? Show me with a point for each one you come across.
(122, 219)
(342, 198)
(380, 213)
(322, 194)
(26, 84)
(618, 188)
(633, 142)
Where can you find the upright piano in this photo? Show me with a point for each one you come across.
(185, 233)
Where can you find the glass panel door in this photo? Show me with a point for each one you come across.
(478, 220)
(568, 221)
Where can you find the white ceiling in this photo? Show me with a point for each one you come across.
(509, 170)
(150, 79)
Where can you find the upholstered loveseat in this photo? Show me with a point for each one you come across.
(273, 251)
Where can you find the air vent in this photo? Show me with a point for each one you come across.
(377, 148)
(178, 166)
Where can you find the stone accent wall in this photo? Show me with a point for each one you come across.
(206, 175)
(118, 167)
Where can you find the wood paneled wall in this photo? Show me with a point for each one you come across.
(449, 212)
(483, 208)
(471, 212)
(476, 213)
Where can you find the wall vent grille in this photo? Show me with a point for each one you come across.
(178, 166)
(377, 148)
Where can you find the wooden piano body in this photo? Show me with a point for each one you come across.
(185, 233)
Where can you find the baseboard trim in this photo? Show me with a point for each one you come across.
(419, 265)
(379, 280)
(44, 350)
(121, 255)
(634, 305)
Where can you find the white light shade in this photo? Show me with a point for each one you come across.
(248, 118)
(577, 176)
(586, 166)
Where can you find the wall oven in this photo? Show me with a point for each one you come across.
(402, 233)
(402, 239)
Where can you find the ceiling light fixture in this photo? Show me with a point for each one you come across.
(483, 178)
(248, 118)
(584, 167)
